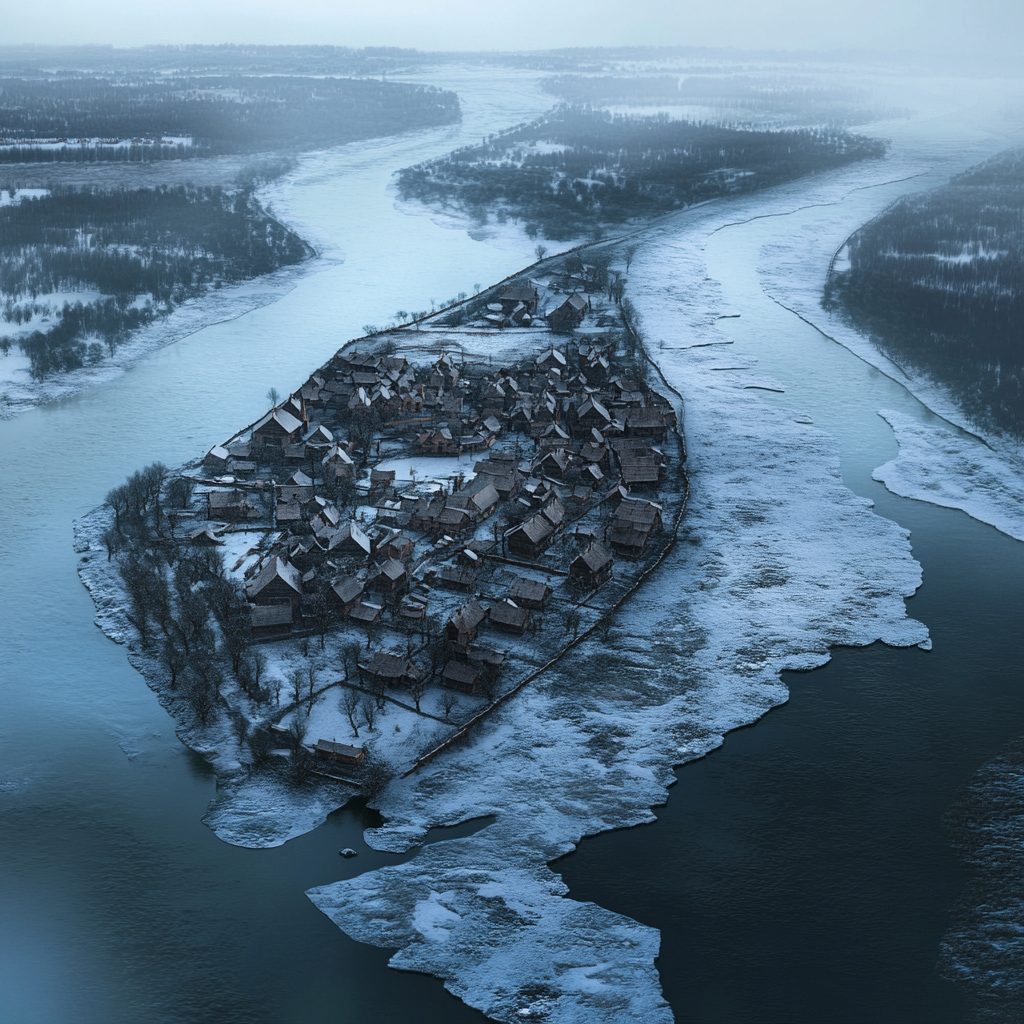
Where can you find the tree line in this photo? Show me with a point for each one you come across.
(594, 169)
(937, 282)
(222, 114)
(169, 243)
(741, 96)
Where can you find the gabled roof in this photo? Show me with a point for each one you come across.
(485, 498)
(337, 453)
(348, 588)
(284, 419)
(468, 617)
(319, 435)
(595, 558)
(504, 613)
(349, 532)
(276, 569)
(393, 569)
(299, 479)
(593, 405)
(529, 590)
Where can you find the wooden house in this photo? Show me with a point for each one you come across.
(460, 630)
(298, 487)
(389, 578)
(509, 617)
(278, 582)
(347, 590)
(365, 612)
(396, 546)
(453, 577)
(217, 458)
(270, 620)
(530, 594)
(349, 540)
(460, 676)
(390, 670)
(593, 567)
(485, 501)
(530, 539)
(523, 292)
(592, 415)
(278, 427)
(340, 752)
(648, 421)
(568, 315)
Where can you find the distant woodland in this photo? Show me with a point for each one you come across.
(579, 171)
(223, 114)
(165, 245)
(737, 98)
(937, 281)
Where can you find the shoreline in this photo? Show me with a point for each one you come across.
(21, 395)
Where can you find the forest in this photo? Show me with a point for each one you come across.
(738, 98)
(166, 244)
(580, 171)
(223, 114)
(937, 282)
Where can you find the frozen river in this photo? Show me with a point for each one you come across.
(119, 905)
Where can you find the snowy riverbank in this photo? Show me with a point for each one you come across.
(19, 391)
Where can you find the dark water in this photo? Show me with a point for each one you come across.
(803, 871)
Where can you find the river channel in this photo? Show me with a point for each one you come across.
(799, 873)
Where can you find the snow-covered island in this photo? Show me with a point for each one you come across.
(431, 575)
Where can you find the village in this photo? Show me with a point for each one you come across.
(416, 540)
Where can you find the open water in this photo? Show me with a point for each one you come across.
(803, 871)
(799, 873)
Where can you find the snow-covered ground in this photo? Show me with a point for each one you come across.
(951, 468)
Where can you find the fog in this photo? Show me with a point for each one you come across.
(953, 27)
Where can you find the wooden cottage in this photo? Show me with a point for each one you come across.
(460, 630)
(517, 293)
(460, 676)
(593, 567)
(349, 540)
(341, 752)
(277, 583)
(530, 539)
(530, 594)
(389, 578)
(278, 427)
(568, 315)
(509, 617)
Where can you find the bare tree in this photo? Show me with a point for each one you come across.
(297, 678)
(311, 671)
(321, 609)
(350, 659)
(541, 251)
(369, 709)
(349, 704)
(629, 252)
(273, 397)
(417, 687)
(448, 702)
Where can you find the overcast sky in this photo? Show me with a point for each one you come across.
(923, 25)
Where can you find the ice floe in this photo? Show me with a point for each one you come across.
(946, 467)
